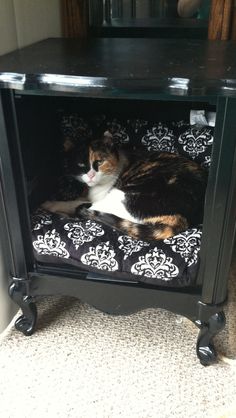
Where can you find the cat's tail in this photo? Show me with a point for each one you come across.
(152, 228)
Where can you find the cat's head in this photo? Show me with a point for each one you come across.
(92, 162)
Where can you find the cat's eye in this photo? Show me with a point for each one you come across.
(81, 165)
(96, 164)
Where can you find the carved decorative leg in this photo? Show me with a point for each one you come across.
(27, 321)
(205, 349)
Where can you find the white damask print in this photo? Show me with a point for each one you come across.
(179, 123)
(51, 244)
(74, 126)
(129, 245)
(187, 245)
(136, 124)
(119, 132)
(155, 264)
(39, 219)
(101, 257)
(207, 162)
(159, 138)
(195, 141)
(81, 232)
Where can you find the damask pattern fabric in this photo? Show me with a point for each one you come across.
(193, 141)
(95, 247)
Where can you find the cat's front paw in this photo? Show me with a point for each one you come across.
(49, 206)
(83, 211)
(61, 208)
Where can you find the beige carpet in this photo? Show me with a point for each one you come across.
(83, 363)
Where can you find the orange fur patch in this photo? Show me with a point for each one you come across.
(108, 166)
(169, 220)
(168, 154)
(172, 224)
(166, 233)
(148, 166)
(131, 228)
(127, 173)
(192, 166)
(146, 169)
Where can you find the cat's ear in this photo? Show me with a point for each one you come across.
(108, 139)
(68, 145)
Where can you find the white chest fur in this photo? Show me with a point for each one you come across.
(99, 191)
(113, 202)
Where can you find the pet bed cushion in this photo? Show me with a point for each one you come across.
(94, 247)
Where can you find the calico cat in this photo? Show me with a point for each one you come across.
(146, 195)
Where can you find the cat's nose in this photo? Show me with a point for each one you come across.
(91, 174)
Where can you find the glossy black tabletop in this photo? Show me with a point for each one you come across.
(123, 66)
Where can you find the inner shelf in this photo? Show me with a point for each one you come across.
(92, 246)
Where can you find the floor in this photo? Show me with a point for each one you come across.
(83, 363)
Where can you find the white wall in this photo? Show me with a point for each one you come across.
(23, 22)
(7, 308)
(8, 35)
